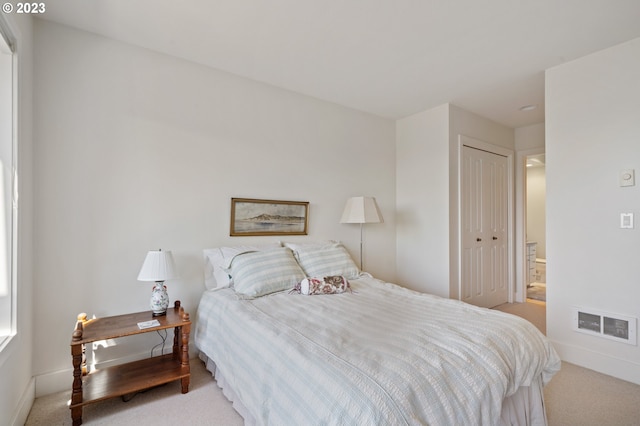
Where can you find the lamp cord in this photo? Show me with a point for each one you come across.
(164, 339)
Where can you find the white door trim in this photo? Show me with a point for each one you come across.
(485, 146)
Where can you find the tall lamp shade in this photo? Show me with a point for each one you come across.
(158, 266)
(361, 210)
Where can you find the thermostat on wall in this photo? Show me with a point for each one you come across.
(627, 177)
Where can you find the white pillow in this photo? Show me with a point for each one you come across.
(260, 273)
(309, 245)
(327, 261)
(216, 260)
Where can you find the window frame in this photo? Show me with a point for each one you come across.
(7, 341)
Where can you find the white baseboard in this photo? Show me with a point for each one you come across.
(62, 380)
(49, 383)
(602, 363)
(25, 404)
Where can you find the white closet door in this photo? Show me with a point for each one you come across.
(484, 228)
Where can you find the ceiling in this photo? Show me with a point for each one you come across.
(392, 58)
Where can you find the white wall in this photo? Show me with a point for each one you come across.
(592, 132)
(530, 138)
(16, 385)
(136, 150)
(427, 193)
(422, 201)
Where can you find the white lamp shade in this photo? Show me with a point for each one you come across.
(158, 266)
(361, 210)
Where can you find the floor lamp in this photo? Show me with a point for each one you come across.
(361, 210)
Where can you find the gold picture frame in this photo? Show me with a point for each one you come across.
(254, 217)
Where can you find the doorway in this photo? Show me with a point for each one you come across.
(535, 227)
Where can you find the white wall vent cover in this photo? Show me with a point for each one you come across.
(620, 328)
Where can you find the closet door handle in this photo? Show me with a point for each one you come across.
(478, 239)
(495, 238)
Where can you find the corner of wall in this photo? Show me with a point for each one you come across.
(24, 405)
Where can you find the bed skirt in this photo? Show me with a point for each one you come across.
(523, 408)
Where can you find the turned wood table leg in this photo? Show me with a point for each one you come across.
(177, 333)
(176, 343)
(184, 360)
(77, 352)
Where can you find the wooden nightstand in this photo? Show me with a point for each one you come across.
(120, 380)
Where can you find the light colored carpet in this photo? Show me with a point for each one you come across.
(534, 311)
(575, 396)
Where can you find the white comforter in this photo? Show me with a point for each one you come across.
(382, 355)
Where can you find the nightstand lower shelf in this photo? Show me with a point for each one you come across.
(120, 380)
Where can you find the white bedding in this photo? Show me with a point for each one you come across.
(380, 355)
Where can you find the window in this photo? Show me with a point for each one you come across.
(8, 192)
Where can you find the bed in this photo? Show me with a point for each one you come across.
(368, 353)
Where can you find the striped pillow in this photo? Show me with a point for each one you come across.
(260, 273)
(326, 261)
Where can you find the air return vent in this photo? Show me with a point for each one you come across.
(620, 328)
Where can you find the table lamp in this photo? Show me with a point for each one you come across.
(158, 266)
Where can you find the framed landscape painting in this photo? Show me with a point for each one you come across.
(251, 217)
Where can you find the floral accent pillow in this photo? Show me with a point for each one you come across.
(327, 285)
